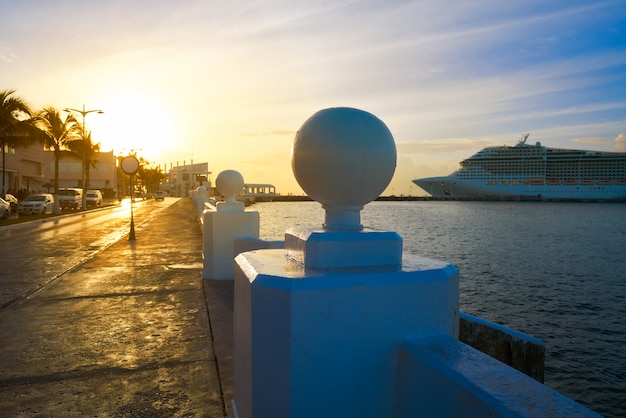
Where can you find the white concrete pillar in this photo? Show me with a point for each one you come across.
(319, 324)
(222, 227)
(199, 197)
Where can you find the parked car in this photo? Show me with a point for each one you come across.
(159, 195)
(36, 203)
(12, 201)
(71, 198)
(93, 198)
(5, 209)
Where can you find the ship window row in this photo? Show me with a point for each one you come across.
(511, 158)
(555, 167)
(586, 171)
(589, 167)
(516, 151)
(475, 170)
(587, 157)
(509, 164)
(587, 161)
(586, 168)
(551, 175)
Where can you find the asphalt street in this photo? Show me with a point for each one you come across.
(129, 329)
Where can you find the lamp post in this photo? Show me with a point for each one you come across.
(84, 113)
(130, 165)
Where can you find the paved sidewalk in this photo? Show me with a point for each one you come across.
(133, 332)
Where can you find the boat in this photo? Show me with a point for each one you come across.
(533, 172)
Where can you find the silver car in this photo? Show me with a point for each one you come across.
(93, 198)
(36, 203)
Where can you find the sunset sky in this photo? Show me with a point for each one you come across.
(230, 82)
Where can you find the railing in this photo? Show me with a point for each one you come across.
(336, 321)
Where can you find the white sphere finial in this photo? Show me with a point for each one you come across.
(343, 158)
(229, 183)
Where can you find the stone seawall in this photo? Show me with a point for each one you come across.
(516, 349)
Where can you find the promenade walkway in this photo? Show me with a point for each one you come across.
(132, 332)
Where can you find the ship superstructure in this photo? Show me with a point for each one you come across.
(533, 172)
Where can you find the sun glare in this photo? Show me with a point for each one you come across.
(133, 122)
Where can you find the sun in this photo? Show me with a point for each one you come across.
(133, 122)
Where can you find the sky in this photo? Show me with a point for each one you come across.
(231, 82)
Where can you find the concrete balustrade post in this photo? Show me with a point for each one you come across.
(199, 197)
(224, 226)
(318, 325)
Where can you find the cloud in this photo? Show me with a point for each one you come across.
(6, 53)
(449, 78)
(620, 143)
(276, 132)
(447, 145)
(592, 140)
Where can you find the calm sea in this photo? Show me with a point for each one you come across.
(556, 271)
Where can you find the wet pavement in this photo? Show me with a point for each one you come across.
(33, 254)
(133, 331)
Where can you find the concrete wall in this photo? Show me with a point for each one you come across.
(516, 349)
(442, 377)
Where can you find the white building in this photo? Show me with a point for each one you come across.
(183, 178)
(32, 169)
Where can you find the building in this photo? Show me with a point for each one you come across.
(102, 176)
(32, 169)
(183, 178)
(25, 169)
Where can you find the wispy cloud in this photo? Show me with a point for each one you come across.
(620, 143)
(6, 53)
(277, 132)
(594, 141)
(445, 146)
(448, 77)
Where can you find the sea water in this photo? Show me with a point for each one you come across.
(556, 271)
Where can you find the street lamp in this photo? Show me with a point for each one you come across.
(84, 113)
(130, 165)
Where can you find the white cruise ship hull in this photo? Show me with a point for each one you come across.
(533, 172)
(453, 188)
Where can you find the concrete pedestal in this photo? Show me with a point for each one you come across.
(313, 343)
(221, 228)
(316, 248)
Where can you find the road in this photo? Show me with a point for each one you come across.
(35, 254)
(127, 331)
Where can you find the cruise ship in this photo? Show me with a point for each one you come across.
(533, 172)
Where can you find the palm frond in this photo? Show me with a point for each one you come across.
(17, 127)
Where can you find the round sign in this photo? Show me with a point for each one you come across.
(130, 165)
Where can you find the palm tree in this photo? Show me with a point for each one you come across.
(85, 150)
(17, 128)
(150, 176)
(57, 133)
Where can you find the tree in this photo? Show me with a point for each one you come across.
(85, 150)
(17, 128)
(56, 134)
(150, 176)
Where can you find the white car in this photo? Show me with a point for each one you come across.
(70, 198)
(93, 198)
(5, 209)
(160, 195)
(11, 200)
(36, 203)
